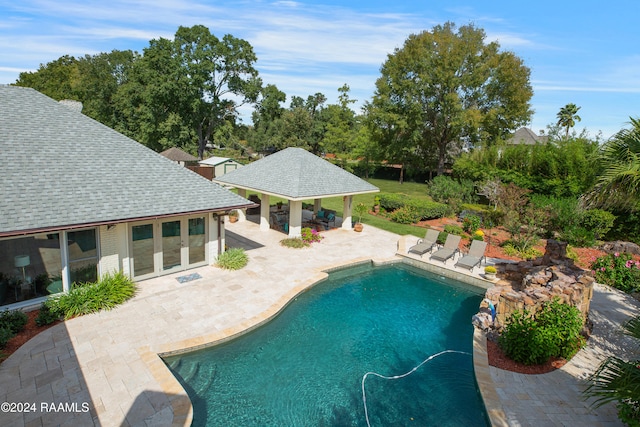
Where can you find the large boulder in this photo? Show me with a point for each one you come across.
(620, 247)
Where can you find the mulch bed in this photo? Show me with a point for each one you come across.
(30, 331)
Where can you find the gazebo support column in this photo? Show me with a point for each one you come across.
(295, 218)
(317, 205)
(264, 212)
(242, 214)
(347, 209)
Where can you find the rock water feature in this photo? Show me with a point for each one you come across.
(526, 285)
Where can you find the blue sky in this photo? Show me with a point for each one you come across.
(586, 53)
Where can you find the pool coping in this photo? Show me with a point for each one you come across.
(181, 403)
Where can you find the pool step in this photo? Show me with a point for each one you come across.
(191, 373)
(208, 381)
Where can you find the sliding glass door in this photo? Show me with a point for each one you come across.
(165, 246)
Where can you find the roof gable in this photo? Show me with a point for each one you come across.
(295, 173)
(177, 155)
(61, 168)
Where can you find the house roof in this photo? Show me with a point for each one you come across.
(215, 161)
(62, 169)
(526, 136)
(296, 174)
(177, 155)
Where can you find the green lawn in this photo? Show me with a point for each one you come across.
(411, 189)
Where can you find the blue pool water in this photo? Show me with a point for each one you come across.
(305, 367)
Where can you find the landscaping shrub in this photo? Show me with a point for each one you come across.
(233, 259)
(5, 336)
(310, 235)
(598, 221)
(391, 202)
(553, 332)
(442, 237)
(13, 320)
(454, 229)
(618, 270)
(445, 189)
(478, 235)
(527, 252)
(405, 215)
(564, 323)
(471, 223)
(523, 340)
(426, 209)
(47, 315)
(294, 242)
(111, 290)
(579, 237)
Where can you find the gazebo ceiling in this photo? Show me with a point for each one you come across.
(296, 174)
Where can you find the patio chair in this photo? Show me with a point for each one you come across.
(426, 244)
(474, 256)
(449, 250)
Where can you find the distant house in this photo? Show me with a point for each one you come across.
(79, 200)
(527, 137)
(181, 157)
(221, 165)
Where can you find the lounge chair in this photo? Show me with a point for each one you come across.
(474, 256)
(427, 244)
(449, 250)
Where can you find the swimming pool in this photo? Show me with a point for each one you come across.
(306, 366)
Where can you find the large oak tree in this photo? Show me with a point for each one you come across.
(444, 88)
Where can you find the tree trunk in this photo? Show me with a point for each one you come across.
(442, 152)
(401, 173)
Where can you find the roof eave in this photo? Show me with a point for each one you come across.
(51, 229)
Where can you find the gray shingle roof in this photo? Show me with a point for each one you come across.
(177, 155)
(526, 136)
(61, 168)
(295, 173)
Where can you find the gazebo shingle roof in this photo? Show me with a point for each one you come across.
(62, 169)
(296, 174)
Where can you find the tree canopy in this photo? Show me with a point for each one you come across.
(444, 88)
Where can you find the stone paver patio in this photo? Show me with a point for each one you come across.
(105, 367)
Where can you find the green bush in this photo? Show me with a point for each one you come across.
(427, 209)
(391, 202)
(294, 242)
(13, 320)
(405, 215)
(310, 235)
(512, 249)
(454, 229)
(579, 237)
(233, 259)
(445, 189)
(618, 270)
(5, 336)
(598, 221)
(471, 223)
(523, 340)
(442, 237)
(553, 332)
(47, 315)
(564, 323)
(111, 290)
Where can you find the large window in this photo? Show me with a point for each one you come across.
(83, 256)
(30, 267)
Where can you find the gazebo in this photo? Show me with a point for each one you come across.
(295, 174)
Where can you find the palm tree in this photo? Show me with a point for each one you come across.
(618, 380)
(619, 184)
(568, 116)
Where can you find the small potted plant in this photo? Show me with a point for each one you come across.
(376, 204)
(360, 209)
(490, 272)
(233, 216)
